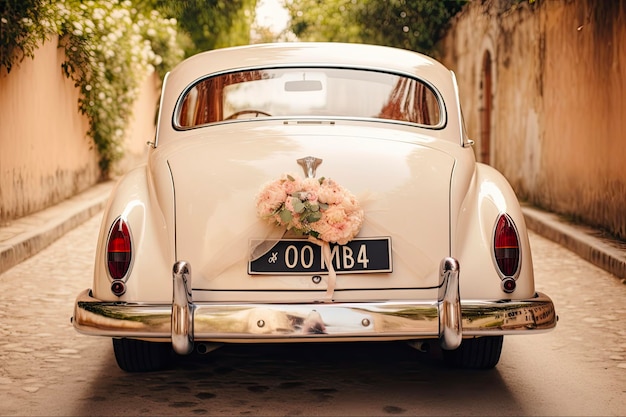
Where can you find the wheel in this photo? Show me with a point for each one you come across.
(476, 353)
(141, 356)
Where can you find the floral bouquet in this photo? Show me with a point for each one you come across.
(320, 208)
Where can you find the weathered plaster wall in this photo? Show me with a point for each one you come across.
(45, 153)
(558, 91)
(141, 126)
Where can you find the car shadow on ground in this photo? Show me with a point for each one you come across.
(382, 378)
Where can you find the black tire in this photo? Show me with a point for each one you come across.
(476, 353)
(141, 356)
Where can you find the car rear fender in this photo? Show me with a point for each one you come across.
(135, 202)
(489, 195)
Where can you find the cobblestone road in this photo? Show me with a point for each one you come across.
(46, 368)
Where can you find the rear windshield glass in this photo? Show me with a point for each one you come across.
(324, 92)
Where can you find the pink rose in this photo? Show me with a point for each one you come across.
(341, 218)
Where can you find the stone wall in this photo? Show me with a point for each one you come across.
(46, 155)
(543, 88)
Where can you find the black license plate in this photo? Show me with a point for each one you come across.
(300, 256)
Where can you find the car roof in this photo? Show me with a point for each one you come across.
(310, 53)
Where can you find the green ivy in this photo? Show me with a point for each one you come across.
(110, 46)
(24, 24)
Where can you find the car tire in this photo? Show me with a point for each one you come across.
(141, 356)
(476, 353)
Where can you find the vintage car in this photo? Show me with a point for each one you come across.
(311, 192)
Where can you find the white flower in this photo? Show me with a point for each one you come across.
(98, 13)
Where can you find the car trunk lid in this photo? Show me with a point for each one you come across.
(402, 186)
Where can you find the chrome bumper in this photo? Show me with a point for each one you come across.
(184, 321)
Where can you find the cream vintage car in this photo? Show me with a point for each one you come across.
(305, 192)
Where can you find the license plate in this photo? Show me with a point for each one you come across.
(300, 256)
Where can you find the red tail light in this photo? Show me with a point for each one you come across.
(119, 250)
(506, 246)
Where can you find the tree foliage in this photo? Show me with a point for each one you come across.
(20, 29)
(409, 24)
(207, 24)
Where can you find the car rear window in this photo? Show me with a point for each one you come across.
(317, 92)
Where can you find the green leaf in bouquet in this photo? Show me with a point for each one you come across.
(290, 178)
(323, 206)
(285, 216)
(314, 207)
(314, 216)
(298, 206)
